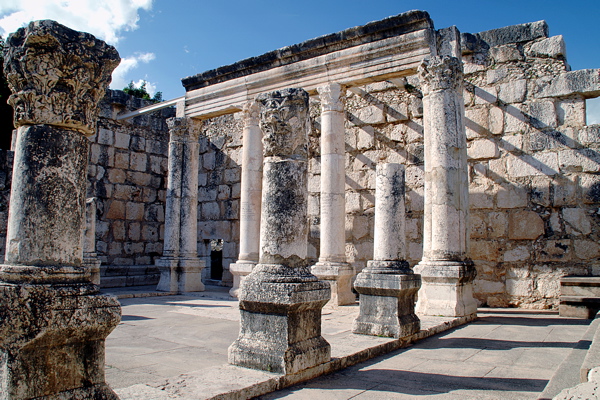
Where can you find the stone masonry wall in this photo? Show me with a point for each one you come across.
(127, 173)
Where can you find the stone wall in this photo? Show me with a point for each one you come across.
(127, 173)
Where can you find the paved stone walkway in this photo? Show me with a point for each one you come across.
(167, 343)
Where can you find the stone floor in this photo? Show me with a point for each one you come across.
(176, 347)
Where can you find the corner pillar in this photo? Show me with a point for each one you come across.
(54, 321)
(90, 257)
(446, 270)
(332, 265)
(251, 193)
(180, 267)
(280, 300)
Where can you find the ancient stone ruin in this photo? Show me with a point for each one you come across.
(391, 161)
(54, 321)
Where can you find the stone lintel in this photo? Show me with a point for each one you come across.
(365, 63)
(49, 332)
(389, 27)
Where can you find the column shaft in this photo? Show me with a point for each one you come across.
(251, 194)
(90, 258)
(332, 264)
(446, 271)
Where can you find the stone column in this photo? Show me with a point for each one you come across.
(446, 271)
(54, 322)
(90, 258)
(387, 286)
(280, 300)
(251, 193)
(180, 267)
(332, 265)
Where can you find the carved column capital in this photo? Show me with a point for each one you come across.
(284, 113)
(57, 75)
(183, 129)
(251, 113)
(440, 73)
(332, 97)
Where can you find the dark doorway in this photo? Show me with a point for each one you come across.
(216, 259)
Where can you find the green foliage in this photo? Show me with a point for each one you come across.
(142, 93)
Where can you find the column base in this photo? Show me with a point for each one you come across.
(387, 300)
(180, 274)
(93, 263)
(281, 321)
(239, 270)
(447, 288)
(52, 341)
(339, 275)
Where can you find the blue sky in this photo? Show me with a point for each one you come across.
(162, 41)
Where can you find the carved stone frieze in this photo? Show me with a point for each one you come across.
(57, 75)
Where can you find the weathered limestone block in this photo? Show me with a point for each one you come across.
(445, 270)
(525, 225)
(387, 286)
(180, 267)
(280, 300)
(54, 322)
(332, 265)
(585, 82)
(552, 47)
(251, 194)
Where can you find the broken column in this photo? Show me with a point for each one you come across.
(387, 286)
(90, 258)
(280, 300)
(332, 265)
(180, 267)
(446, 271)
(251, 193)
(54, 321)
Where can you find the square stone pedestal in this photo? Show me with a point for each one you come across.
(281, 324)
(180, 275)
(447, 288)
(239, 271)
(339, 276)
(387, 304)
(52, 341)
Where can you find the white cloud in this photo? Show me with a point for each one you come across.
(105, 19)
(119, 80)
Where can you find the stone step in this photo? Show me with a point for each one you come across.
(580, 286)
(579, 306)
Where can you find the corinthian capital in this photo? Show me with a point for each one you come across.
(184, 129)
(284, 122)
(440, 73)
(57, 75)
(251, 113)
(332, 97)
